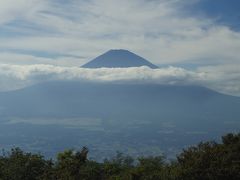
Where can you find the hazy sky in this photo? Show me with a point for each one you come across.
(204, 34)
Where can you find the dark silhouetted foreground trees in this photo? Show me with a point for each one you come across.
(206, 161)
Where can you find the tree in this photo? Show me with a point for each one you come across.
(20, 165)
(118, 167)
(69, 164)
(211, 160)
(151, 168)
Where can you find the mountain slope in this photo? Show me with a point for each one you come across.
(144, 118)
(132, 100)
(118, 59)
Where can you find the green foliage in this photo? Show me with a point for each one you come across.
(151, 168)
(20, 165)
(119, 167)
(69, 164)
(211, 160)
(206, 161)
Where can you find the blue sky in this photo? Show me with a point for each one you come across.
(225, 12)
(204, 34)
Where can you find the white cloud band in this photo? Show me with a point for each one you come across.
(219, 78)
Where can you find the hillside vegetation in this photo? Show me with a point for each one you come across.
(206, 161)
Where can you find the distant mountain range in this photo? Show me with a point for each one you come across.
(141, 118)
(118, 59)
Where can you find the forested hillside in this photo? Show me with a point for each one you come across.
(207, 160)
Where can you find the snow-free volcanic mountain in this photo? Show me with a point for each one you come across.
(136, 118)
(118, 59)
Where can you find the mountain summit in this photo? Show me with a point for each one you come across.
(118, 59)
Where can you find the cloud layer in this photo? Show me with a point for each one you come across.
(18, 76)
